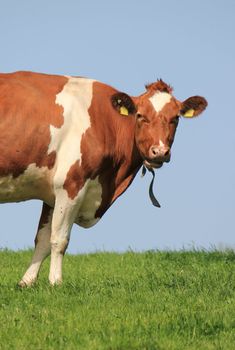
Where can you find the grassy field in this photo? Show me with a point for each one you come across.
(152, 300)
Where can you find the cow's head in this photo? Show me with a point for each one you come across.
(157, 114)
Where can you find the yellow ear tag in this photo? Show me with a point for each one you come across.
(123, 110)
(189, 113)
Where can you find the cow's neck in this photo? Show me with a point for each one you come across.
(116, 134)
(119, 159)
(125, 156)
(125, 161)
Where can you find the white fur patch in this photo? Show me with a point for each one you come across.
(41, 252)
(90, 203)
(33, 183)
(159, 100)
(161, 144)
(75, 98)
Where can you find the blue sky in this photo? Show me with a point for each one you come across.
(127, 43)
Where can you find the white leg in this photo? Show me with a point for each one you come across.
(63, 218)
(42, 247)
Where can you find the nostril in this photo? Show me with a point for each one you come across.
(159, 152)
(154, 151)
(167, 153)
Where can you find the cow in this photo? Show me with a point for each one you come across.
(76, 144)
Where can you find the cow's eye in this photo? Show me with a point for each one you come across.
(141, 118)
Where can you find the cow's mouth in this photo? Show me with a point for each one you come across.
(152, 165)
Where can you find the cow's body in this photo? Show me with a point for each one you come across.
(49, 143)
(71, 143)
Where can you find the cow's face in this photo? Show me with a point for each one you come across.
(157, 114)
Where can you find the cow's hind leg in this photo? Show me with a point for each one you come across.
(42, 247)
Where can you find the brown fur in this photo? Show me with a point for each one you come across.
(124, 132)
(197, 103)
(159, 85)
(113, 148)
(27, 108)
(108, 147)
(74, 180)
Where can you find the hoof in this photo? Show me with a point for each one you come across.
(55, 283)
(25, 284)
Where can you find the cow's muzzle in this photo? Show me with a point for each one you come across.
(161, 153)
(157, 156)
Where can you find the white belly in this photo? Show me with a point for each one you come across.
(34, 183)
(90, 202)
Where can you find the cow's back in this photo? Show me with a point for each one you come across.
(27, 111)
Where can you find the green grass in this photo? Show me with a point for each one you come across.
(153, 300)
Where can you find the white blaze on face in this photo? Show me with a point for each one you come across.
(159, 100)
(161, 144)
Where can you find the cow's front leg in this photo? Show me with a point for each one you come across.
(63, 218)
(42, 247)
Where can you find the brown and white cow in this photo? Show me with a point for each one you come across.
(77, 144)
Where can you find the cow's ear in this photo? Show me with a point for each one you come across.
(123, 103)
(193, 106)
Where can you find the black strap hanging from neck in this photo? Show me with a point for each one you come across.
(151, 194)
